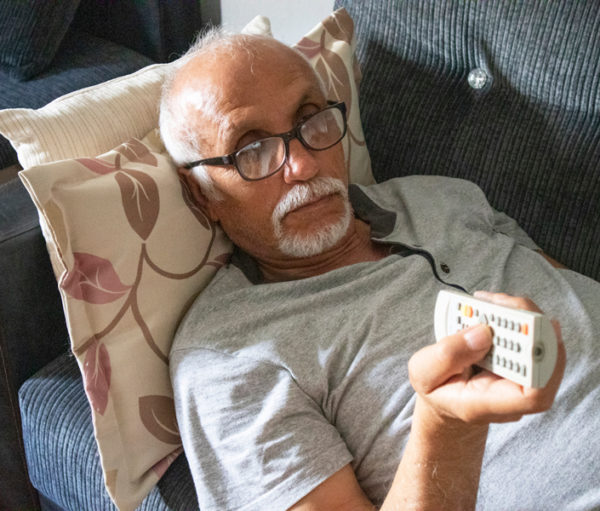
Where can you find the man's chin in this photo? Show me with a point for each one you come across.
(314, 240)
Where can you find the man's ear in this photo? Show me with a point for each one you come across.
(201, 200)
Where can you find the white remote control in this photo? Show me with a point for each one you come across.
(524, 343)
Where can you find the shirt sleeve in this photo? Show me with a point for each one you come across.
(252, 437)
(508, 226)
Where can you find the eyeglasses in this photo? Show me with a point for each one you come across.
(264, 157)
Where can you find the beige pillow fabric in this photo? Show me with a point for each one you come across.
(130, 253)
(86, 122)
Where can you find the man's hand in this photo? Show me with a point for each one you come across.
(444, 379)
(441, 464)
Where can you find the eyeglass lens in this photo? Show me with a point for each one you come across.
(263, 157)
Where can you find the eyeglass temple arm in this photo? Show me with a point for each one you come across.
(220, 160)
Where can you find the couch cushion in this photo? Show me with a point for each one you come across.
(529, 136)
(30, 34)
(62, 456)
(83, 60)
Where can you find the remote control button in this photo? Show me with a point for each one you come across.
(518, 348)
(524, 329)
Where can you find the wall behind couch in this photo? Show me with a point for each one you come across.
(290, 19)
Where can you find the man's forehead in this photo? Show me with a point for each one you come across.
(222, 88)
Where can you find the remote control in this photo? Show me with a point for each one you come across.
(524, 343)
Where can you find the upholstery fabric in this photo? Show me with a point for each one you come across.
(30, 34)
(83, 61)
(530, 137)
(27, 290)
(61, 453)
(174, 25)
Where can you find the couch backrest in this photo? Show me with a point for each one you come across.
(161, 30)
(506, 94)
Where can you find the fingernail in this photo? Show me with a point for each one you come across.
(478, 337)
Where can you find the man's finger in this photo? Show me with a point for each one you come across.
(435, 364)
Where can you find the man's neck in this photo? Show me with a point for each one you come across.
(355, 247)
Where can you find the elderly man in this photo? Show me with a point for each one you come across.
(291, 371)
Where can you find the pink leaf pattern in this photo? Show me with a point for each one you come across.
(189, 202)
(135, 151)
(158, 416)
(93, 279)
(308, 47)
(161, 467)
(97, 165)
(139, 195)
(96, 375)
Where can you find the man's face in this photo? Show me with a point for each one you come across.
(273, 217)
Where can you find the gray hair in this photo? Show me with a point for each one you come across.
(179, 138)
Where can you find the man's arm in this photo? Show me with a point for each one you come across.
(441, 463)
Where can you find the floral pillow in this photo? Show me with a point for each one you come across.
(129, 249)
(130, 252)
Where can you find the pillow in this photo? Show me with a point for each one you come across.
(129, 250)
(88, 121)
(330, 48)
(130, 253)
(30, 33)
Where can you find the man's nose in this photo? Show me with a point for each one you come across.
(301, 164)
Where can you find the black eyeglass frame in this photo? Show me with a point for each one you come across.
(287, 137)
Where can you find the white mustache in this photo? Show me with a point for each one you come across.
(305, 193)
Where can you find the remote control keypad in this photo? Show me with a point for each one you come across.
(508, 336)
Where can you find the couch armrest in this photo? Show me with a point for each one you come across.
(32, 329)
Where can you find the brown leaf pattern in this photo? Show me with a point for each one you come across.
(93, 279)
(96, 375)
(97, 165)
(333, 72)
(135, 151)
(139, 195)
(340, 26)
(158, 416)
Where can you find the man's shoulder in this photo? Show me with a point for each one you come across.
(210, 308)
(419, 186)
(415, 196)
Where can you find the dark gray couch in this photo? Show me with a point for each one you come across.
(48, 49)
(525, 126)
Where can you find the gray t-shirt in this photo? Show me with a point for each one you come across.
(278, 386)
